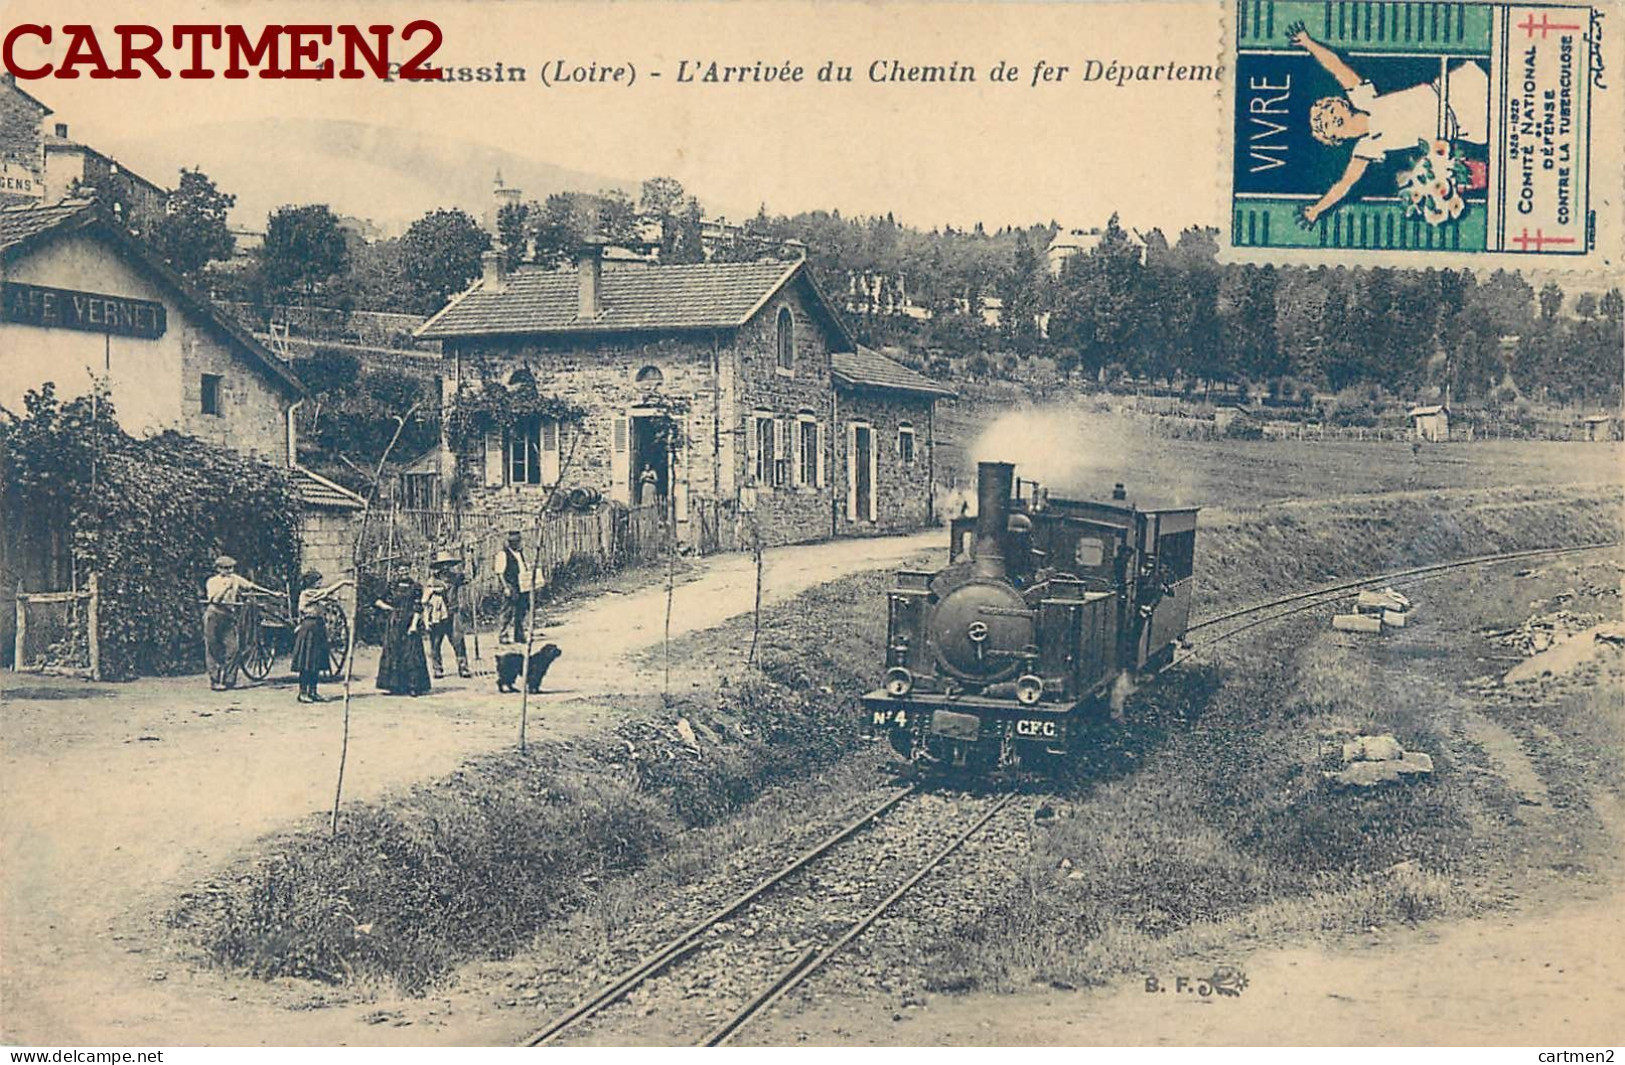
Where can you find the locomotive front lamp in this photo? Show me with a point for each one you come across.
(899, 682)
(1029, 689)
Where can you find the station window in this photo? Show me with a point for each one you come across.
(211, 394)
(905, 443)
(766, 450)
(807, 451)
(787, 340)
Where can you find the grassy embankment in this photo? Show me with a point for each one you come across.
(1205, 809)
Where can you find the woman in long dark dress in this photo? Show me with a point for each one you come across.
(403, 668)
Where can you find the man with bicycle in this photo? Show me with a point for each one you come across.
(223, 597)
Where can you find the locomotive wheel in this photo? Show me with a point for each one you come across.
(338, 639)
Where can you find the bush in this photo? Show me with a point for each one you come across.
(473, 864)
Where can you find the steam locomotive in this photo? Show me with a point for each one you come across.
(1047, 613)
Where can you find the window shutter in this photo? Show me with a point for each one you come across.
(784, 454)
(550, 451)
(822, 480)
(874, 477)
(753, 450)
(619, 464)
(851, 472)
(493, 460)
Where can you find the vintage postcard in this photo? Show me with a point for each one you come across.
(963, 523)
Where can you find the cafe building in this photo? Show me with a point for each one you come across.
(83, 302)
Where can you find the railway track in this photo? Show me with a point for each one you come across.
(768, 940)
(1285, 606)
(765, 942)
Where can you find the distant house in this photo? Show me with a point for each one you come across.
(1599, 427)
(1430, 423)
(72, 168)
(717, 389)
(1068, 243)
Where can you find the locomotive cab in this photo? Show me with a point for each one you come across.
(1044, 607)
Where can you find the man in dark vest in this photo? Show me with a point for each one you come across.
(515, 570)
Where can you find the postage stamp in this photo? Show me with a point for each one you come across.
(1417, 127)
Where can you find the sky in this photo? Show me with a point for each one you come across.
(931, 154)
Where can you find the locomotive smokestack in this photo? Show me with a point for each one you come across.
(993, 483)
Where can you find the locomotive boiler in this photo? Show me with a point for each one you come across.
(1046, 613)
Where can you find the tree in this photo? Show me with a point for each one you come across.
(377, 279)
(1018, 324)
(1551, 301)
(1098, 307)
(347, 425)
(193, 232)
(440, 254)
(1612, 306)
(513, 227)
(1504, 300)
(304, 251)
(661, 197)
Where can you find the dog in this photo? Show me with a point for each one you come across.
(511, 663)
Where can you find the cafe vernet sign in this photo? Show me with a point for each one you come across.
(92, 312)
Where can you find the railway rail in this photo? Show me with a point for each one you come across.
(829, 930)
(1298, 602)
(784, 979)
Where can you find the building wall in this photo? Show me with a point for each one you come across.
(327, 545)
(598, 374)
(721, 378)
(785, 513)
(155, 384)
(902, 489)
(19, 138)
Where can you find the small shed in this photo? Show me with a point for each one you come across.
(1599, 427)
(1430, 423)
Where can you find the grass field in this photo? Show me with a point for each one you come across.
(1079, 453)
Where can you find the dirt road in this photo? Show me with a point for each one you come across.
(1552, 979)
(116, 796)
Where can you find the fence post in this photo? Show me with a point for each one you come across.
(22, 628)
(92, 625)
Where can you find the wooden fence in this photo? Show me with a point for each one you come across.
(57, 632)
(564, 545)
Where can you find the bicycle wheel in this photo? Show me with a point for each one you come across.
(255, 642)
(338, 639)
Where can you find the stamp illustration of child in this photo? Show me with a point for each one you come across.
(1451, 107)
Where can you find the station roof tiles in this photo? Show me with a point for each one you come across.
(867, 368)
(635, 298)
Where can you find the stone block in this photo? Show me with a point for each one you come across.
(1383, 748)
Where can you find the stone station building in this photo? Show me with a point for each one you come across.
(713, 389)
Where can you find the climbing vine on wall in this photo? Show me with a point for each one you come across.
(493, 407)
